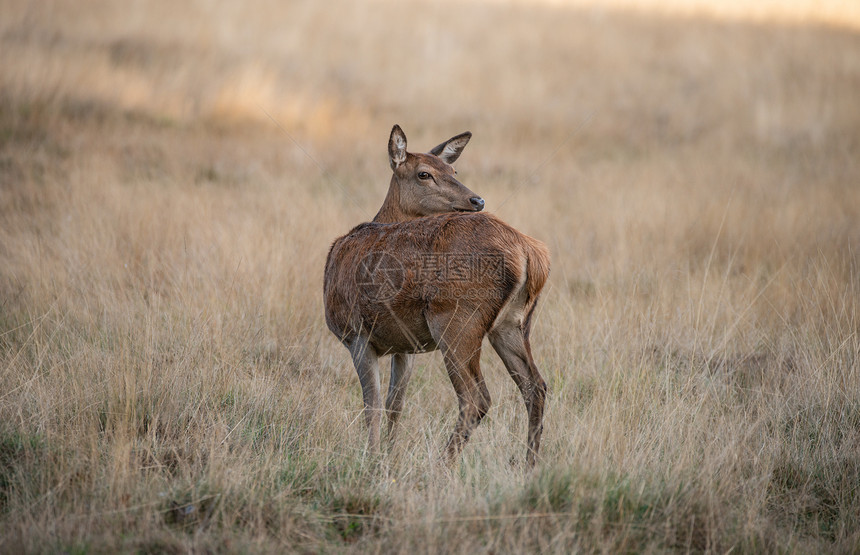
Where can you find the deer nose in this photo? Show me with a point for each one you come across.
(477, 203)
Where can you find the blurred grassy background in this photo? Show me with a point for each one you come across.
(171, 176)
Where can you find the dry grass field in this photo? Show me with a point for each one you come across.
(172, 175)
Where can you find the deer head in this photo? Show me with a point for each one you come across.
(425, 184)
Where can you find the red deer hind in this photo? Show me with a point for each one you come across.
(432, 272)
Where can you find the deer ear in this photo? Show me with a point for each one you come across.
(450, 150)
(396, 147)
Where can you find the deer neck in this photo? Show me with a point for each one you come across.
(392, 211)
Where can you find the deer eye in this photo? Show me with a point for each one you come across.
(423, 175)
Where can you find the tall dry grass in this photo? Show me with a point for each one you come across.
(171, 177)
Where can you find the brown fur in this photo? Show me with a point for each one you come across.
(450, 279)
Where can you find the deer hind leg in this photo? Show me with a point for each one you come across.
(510, 340)
(401, 371)
(460, 343)
(473, 396)
(366, 363)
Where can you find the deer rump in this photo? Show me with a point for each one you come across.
(409, 286)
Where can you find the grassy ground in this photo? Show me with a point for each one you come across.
(171, 177)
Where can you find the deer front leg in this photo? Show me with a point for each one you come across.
(366, 363)
(401, 371)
